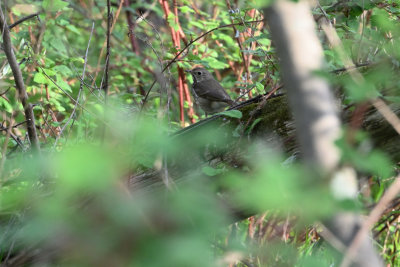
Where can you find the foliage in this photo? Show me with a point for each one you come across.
(72, 198)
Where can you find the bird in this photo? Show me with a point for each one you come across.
(208, 92)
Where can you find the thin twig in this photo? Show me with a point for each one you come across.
(67, 94)
(362, 17)
(239, 42)
(5, 92)
(14, 126)
(187, 46)
(331, 238)
(16, 138)
(373, 217)
(109, 17)
(5, 146)
(356, 66)
(80, 89)
(23, 19)
(104, 44)
(387, 113)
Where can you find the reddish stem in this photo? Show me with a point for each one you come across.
(180, 90)
(177, 36)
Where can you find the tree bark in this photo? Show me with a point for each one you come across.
(19, 83)
(318, 126)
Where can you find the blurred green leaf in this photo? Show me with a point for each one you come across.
(232, 113)
(54, 5)
(209, 171)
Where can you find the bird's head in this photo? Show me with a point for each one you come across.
(200, 74)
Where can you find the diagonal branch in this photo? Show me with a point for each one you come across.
(23, 19)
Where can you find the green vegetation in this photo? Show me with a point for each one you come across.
(78, 202)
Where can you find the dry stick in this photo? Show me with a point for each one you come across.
(104, 44)
(257, 42)
(177, 36)
(16, 138)
(359, 65)
(70, 97)
(182, 74)
(5, 92)
(373, 217)
(331, 238)
(4, 150)
(237, 37)
(252, 47)
(176, 41)
(186, 47)
(394, 189)
(387, 113)
(19, 82)
(46, 123)
(80, 90)
(159, 58)
(23, 19)
(107, 51)
(36, 49)
(133, 40)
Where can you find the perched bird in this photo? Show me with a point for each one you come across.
(208, 93)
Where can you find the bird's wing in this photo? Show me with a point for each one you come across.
(217, 93)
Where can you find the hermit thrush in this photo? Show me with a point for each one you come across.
(208, 93)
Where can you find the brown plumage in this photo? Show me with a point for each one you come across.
(208, 93)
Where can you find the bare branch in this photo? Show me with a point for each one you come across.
(373, 217)
(109, 25)
(80, 89)
(23, 19)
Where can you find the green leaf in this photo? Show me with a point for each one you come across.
(63, 70)
(253, 125)
(186, 9)
(197, 24)
(57, 105)
(232, 113)
(225, 37)
(210, 171)
(215, 63)
(54, 5)
(260, 87)
(58, 44)
(72, 28)
(5, 105)
(63, 84)
(172, 22)
(258, 39)
(40, 78)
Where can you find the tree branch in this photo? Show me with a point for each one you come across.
(19, 83)
(23, 19)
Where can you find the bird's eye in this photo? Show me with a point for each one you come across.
(199, 73)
